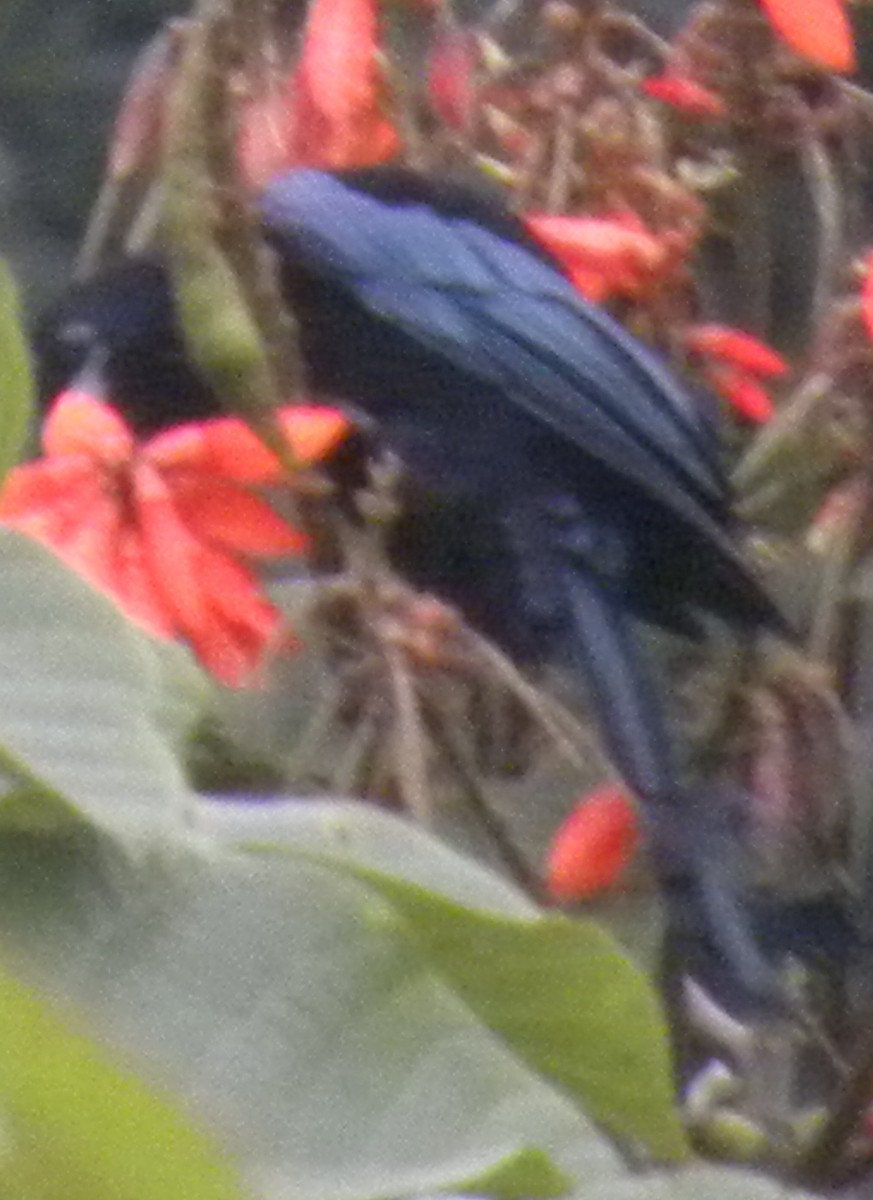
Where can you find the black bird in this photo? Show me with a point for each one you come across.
(574, 484)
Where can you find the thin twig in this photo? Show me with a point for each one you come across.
(445, 737)
(146, 221)
(820, 1163)
(363, 739)
(559, 724)
(827, 201)
(409, 739)
(828, 614)
(788, 423)
(564, 139)
(316, 728)
(751, 239)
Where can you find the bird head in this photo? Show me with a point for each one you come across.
(116, 337)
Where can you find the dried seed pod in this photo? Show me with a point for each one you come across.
(799, 813)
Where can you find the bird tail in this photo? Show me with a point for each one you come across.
(695, 835)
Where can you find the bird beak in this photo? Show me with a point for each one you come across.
(89, 382)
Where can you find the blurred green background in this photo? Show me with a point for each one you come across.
(63, 64)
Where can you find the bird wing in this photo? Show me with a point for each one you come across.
(503, 314)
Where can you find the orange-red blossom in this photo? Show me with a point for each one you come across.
(166, 527)
(329, 110)
(735, 364)
(594, 845)
(612, 255)
(819, 30)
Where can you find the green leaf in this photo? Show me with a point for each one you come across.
(354, 834)
(75, 1127)
(16, 376)
(80, 703)
(525, 1173)
(711, 1182)
(559, 993)
(286, 1003)
(567, 1002)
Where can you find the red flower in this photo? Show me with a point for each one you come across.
(819, 30)
(160, 527)
(265, 144)
(339, 117)
(867, 295)
(733, 364)
(593, 846)
(747, 397)
(608, 256)
(685, 95)
(329, 111)
(739, 349)
(451, 75)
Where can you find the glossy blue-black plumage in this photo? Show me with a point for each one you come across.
(600, 478)
(565, 483)
(504, 316)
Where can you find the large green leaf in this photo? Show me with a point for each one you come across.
(559, 993)
(566, 1001)
(695, 1183)
(81, 703)
(358, 835)
(76, 1127)
(16, 376)
(287, 1004)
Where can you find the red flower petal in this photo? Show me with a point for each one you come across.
(38, 495)
(135, 586)
(593, 285)
(327, 112)
(737, 349)
(225, 448)
(212, 601)
(66, 504)
(867, 296)
(170, 550)
(75, 503)
(221, 512)
(602, 255)
(231, 643)
(338, 117)
(313, 432)
(684, 94)
(451, 75)
(593, 846)
(748, 398)
(819, 30)
(90, 546)
(124, 526)
(228, 448)
(265, 145)
(81, 423)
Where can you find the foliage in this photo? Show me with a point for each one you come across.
(348, 1006)
(76, 1126)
